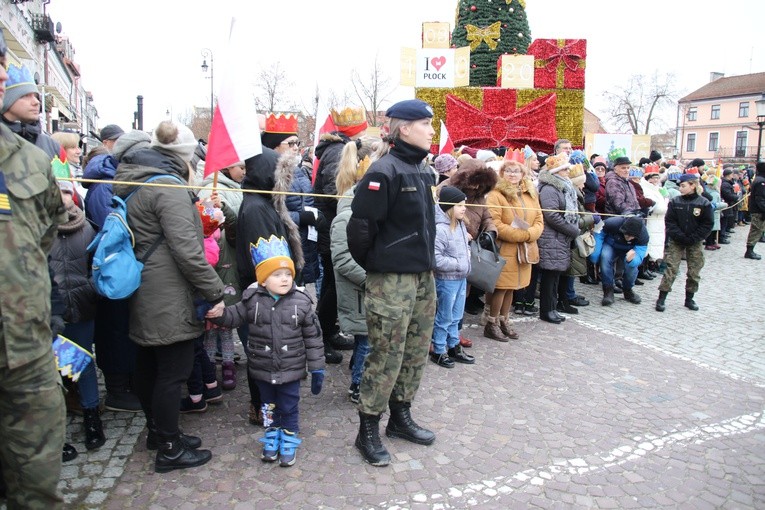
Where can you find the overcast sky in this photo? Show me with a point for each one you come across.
(153, 48)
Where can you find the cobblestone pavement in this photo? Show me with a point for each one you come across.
(619, 407)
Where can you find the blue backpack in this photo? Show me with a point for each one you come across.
(116, 271)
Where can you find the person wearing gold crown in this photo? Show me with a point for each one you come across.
(351, 125)
(391, 234)
(284, 338)
(281, 135)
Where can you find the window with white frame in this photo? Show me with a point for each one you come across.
(690, 144)
(714, 142)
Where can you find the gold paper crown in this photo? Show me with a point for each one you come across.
(576, 171)
(281, 123)
(362, 167)
(348, 117)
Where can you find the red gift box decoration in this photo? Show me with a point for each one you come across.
(499, 123)
(559, 63)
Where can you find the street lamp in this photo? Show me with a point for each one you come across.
(760, 104)
(207, 53)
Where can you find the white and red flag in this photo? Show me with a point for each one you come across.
(445, 144)
(235, 135)
(326, 127)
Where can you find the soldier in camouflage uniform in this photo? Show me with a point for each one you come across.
(689, 221)
(391, 234)
(32, 413)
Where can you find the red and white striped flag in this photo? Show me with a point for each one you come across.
(327, 127)
(235, 135)
(445, 144)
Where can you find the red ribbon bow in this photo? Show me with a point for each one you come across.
(532, 124)
(566, 54)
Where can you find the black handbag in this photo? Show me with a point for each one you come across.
(485, 265)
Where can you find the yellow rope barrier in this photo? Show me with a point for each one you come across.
(294, 193)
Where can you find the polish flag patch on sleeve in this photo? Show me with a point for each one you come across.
(374, 186)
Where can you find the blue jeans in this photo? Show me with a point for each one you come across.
(450, 306)
(360, 351)
(81, 333)
(608, 258)
(285, 398)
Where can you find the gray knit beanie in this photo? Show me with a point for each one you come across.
(175, 138)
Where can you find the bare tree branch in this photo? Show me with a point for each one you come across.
(373, 90)
(640, 103)
(274, 86)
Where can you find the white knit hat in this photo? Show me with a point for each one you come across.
(175, 138)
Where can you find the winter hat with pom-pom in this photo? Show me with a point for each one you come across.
(175, 138)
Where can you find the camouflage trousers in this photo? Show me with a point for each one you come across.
(756, 229)
(32, 427)
(694, 256)
(400, 312)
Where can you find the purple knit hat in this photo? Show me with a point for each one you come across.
(444, 163)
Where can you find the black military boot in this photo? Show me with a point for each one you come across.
(368, 441)
(402, 425)
(689, 302)
(750, 254)
(173, 454)
(660, 306)
(94, 430)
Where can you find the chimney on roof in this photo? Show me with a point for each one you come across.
(713, 76)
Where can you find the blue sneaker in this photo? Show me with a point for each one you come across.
(288, 448)
(271, 443)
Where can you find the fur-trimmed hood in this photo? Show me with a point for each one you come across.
(328, 139)
(474, 180)
(269, 172)
(510, 191)
(545, 177)
(285, 168)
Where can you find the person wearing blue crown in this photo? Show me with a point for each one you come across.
(284, 338)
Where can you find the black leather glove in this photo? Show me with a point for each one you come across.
(487, 239)
(307, 218)
(57, 325)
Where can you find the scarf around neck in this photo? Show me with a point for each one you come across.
(76, 220)
(572, 206)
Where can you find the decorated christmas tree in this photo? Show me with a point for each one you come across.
(490, 28)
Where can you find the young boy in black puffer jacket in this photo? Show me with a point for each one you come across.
(284, 338)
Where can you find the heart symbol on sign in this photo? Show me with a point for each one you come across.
(438, 62)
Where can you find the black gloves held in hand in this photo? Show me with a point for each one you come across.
(307, 218)
(57, 325)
